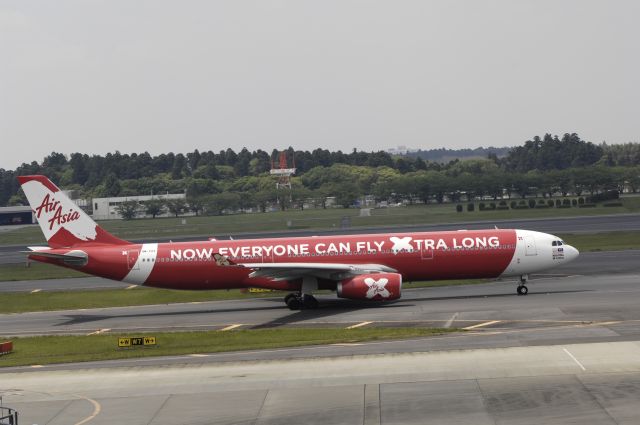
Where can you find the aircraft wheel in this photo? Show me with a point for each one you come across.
(288, 297)
(523, 290)
(294, 302)
(310, 302)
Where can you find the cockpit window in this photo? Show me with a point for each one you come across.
(554, 243)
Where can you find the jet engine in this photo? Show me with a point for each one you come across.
(375, 286)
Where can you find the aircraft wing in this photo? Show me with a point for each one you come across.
(332, 271)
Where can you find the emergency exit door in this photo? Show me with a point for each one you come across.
(530, 246)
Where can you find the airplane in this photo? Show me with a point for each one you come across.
(358, 267)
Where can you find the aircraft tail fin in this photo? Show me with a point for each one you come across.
(63, 223)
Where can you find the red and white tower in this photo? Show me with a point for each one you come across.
(283, 172)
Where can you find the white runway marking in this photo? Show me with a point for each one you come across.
(450, 321)
(574, 359)
(481, 325)
(36, 291)
(131, 286)
(99, 331)
(359, 325)
(228, 328)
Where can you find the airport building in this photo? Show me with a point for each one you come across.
(107, 208)
(16, 215)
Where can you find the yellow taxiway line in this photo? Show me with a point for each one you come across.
(482, 325)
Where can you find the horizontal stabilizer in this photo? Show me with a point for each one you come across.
(72, 258)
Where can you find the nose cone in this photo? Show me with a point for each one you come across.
(570, 253)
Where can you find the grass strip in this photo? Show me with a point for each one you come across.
(42, 350)
(609, 241)
(36, 271)
(20, 302)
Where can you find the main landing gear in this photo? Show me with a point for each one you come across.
(522, 287)
(301, 302)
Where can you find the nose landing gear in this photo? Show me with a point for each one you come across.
(522, 287)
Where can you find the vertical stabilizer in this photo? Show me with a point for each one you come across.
(63, 223)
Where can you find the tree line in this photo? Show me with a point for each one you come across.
(215, 182)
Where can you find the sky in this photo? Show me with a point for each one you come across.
(97, 76)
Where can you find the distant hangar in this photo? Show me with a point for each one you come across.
(16, 215)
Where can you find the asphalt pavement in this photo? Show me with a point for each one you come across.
(553, 302)
(567, 353)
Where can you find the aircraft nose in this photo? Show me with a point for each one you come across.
(571, 253)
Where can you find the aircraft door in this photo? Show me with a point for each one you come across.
(132, 259)
(530, 246)
(267, 258)
(426, 253)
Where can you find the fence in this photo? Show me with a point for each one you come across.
(8, 416)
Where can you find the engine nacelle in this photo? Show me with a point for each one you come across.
(375, 286)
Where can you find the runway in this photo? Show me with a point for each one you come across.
(10, 254)
(552, 302)
(566, 353)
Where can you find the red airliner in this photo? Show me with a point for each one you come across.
(359, 267)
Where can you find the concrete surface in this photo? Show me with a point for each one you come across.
(565, 384)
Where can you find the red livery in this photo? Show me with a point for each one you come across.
(366, 267)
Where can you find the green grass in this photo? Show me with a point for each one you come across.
(36, 271)
(313, 219)
(64, 349)
(610, 241)
(20, 302)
